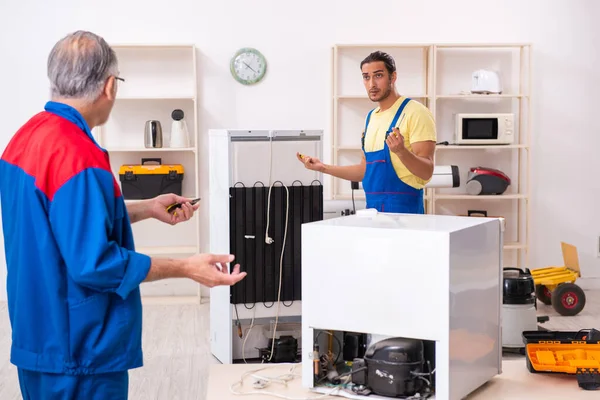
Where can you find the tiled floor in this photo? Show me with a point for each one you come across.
(177, 355)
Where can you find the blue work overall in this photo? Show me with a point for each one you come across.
(383, 189)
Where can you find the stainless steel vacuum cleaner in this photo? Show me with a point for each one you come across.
(519, 311)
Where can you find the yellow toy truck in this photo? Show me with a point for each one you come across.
(556, 286)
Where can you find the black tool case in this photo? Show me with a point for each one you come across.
(145, 181)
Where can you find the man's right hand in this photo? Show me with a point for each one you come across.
(312, 163)
(211, 270)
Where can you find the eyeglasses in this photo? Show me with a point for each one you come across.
(120, 79)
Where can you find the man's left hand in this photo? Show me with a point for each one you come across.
(395, 142)
(158, 209)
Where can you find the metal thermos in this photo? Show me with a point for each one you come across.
(153, 136)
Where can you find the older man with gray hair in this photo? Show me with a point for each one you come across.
(73, 272)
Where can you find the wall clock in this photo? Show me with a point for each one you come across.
(248, 66)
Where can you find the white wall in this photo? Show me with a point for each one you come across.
(296, 39)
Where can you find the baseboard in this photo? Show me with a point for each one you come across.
(589, 283)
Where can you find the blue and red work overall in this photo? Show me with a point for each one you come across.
(383, 189)
(73, 273)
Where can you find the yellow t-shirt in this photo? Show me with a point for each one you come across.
(418, 125)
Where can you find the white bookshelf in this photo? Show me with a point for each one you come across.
(439, 76)
(158, 80)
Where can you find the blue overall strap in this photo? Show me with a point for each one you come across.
(397, 116)
(366, 126)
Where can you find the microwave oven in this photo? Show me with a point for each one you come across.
(484, 129)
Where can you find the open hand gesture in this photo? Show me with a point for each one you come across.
(211, 270)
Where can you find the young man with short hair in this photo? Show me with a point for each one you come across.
(398, 144)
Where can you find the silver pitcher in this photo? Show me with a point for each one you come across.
(153, 136)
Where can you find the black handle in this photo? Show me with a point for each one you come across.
(158, 160)
(521, 272)
(470, 212)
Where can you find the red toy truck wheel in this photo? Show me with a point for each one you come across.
(568, 299)
(543, 294)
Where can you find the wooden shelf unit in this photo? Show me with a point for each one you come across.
(158, 79)
(439, 76)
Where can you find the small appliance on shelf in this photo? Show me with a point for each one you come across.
(153, 135)
(485, 81)
(484, 129)
(179, 132)
(486, 181)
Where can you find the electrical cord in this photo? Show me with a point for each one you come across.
(266, 234)
(246, 337)
(262, 382)
(292, 301)
(353, 186)
(269, 240)
(337, 379)
(237, 322)
(280, 274)
(429, 382)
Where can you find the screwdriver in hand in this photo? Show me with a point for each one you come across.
(175, 206)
